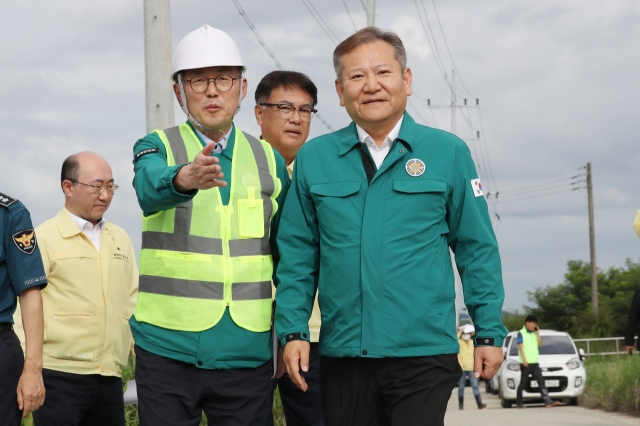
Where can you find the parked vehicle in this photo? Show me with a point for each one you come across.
(562, 368)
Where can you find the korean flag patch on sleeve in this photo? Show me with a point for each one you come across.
(476, 187)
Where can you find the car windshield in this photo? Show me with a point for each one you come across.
(551, 345)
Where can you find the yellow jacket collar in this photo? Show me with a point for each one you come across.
(67, 226)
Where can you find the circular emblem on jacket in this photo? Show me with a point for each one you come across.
(415, 167)
(250, 181)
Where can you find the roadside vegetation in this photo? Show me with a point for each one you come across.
(613, 384)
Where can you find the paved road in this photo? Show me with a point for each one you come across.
(533, 415)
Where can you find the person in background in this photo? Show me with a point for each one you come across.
(529, 342)
(285, 102)
(210, 196)
(22, 278)
(91, 269)
(373, 210)
(465, 358)
(634, 309)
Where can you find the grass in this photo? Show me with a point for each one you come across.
(131, 411)
(613, 384)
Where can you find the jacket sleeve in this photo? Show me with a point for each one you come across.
(634, 318)
(475, 247)
(153, 178)
(298, 241)
(283, 175)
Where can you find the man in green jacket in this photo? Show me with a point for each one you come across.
(372, 212)
(211, 197)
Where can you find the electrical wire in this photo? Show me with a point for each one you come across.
(447, 45)
(436, 57)
(417, 111)
(349, 13)
(269, 51)
(320, 21)
(539, 195)
(542, 186)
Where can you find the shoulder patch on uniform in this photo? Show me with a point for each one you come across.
(476, 186)
(6, 201)
(25, 240)
(144, 152)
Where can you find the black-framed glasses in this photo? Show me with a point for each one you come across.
(286, 111)
(99, 189)
(200, 84)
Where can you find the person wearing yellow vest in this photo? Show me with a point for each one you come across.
(466, 360)
(210, 196)
(285, 102)
(529, 342)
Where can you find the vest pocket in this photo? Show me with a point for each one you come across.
(251, 218)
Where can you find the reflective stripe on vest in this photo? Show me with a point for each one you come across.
(530, 346)
(202, 256)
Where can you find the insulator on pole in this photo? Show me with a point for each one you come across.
(465, 101)
(429, 102)
(477, 101)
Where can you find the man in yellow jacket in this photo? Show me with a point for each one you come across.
(285, 102)
(93, 282)
(465, 358)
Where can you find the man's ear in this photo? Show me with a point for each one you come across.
(67, 188)
(244, 87)
(176, 90)
(258, 111)
(408, 80)
(340, 91)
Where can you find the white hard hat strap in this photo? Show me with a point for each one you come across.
(185, 108)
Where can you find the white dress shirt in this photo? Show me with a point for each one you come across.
(379, 154)
(207, 140)
(87, 228)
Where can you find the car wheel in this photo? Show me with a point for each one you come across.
(495, 391)
(505, 403)
(573, 401)
(487, 387)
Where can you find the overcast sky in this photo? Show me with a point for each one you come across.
(557, 82)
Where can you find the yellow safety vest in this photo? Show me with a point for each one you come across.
(530, 346)
(203, 256)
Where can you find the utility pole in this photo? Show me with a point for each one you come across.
(592, 245)
(157, 65)
(371, 13)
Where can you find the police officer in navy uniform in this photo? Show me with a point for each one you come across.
(21, 277)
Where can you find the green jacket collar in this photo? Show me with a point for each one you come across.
(407, 136)
(228, 151)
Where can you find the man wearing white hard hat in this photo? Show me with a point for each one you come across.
(211, 197)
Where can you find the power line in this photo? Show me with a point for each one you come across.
(434, 50)
(416, 110)
(447, 45)
(540, 195)
(364, 7)
(320, 21)
(543, 186)
(269, 51)
(349, 13)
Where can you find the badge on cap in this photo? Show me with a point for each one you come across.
(476, 186)
(25, 240)
(415, 167)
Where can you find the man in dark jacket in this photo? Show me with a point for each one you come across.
(632, 323)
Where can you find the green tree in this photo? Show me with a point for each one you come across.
(567, 306)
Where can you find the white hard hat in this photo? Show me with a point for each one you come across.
(467, 328)
(205, 47)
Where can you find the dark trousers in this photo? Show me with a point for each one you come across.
(80, 400)
(175, 393)
(301, 408)
(11, 364)
(536, 373)
(387, 391)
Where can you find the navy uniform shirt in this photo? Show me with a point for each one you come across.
(20, 262)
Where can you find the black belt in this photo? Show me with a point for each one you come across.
(6, 326)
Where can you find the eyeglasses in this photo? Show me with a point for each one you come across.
(286, 111)
(200, 84)
(99, 189)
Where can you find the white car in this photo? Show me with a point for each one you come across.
(562, 368)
